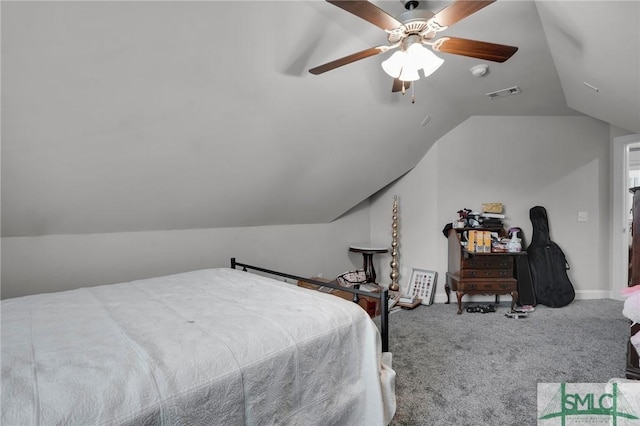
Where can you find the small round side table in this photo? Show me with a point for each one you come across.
(367, 256)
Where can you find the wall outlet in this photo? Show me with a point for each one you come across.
(583, 216)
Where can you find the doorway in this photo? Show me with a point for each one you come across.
(625, 175)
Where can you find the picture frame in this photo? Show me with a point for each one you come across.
(422, 284)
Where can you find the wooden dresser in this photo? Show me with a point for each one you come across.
(633, 361)
(479, 273)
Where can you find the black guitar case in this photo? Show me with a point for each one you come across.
(548, 264)
(526, 291)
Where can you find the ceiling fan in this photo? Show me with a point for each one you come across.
(413, 29)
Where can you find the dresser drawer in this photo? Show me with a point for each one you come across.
(486, 273)
(487, 286)
(487, 262)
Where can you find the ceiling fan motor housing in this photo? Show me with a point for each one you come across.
(415, 22)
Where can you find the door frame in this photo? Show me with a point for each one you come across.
(619, 252)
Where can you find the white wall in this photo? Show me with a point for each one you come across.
(561, 163)
(61, 262)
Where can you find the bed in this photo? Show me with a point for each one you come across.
(209, 347)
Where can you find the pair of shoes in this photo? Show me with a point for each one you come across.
(482, 309)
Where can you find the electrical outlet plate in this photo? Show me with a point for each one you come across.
(583, 216)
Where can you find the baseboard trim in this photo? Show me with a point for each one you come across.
(593, 294)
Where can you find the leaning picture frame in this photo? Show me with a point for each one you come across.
(422, 284)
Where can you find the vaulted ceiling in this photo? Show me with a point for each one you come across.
(133, 116)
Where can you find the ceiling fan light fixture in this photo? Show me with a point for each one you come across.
(393, 66)
(406, 64)
(427, 60)
(409, 74)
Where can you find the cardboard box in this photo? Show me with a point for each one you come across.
(472, 241)
(492, 208)
(486, 246)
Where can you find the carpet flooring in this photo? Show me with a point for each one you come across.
(483, 369)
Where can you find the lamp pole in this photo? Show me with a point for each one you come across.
(394, 286)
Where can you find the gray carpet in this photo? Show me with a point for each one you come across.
(483, 369)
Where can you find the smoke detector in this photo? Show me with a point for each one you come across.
(479, 70)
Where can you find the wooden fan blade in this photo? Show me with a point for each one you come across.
(369, 12)
(475, 49)
(459, 10)
(346, 60)
(397, 85)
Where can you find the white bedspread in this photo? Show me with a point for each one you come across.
(209, 347)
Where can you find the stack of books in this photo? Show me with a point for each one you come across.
(492, 215)
(491, 220)
(407, 299)
(408, 302)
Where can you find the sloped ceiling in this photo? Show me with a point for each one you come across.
(595, 46)
(133, 116)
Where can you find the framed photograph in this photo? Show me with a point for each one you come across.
(422, 284)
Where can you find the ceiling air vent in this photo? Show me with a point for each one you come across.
(504, 92)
